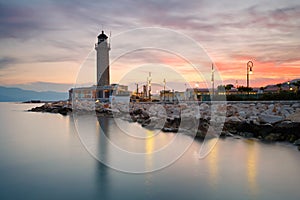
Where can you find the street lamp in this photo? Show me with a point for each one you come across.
(289, 84)
(249, 71)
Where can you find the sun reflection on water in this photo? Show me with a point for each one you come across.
(213, 158)
(252, 157)
(149, 149)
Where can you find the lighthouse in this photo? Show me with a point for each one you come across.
(103, 91)
(102, 47)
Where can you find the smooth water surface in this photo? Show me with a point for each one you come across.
(41, 157)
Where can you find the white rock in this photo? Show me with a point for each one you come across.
(296, 105)
(294, 117)
(204, 106)
(161, 112)
(251, 113)
(189, 124)
(157, 123)
(242, 119)
(271, 106)
(285, 113)
(256, 122)
(187, 115)
(254, 119)
(242, 113)
(198, 116)
(265, 118)
(123, 108)
(232, 119)
(269, 111)
(156, 109)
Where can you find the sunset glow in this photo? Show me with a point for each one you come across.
(46, 42)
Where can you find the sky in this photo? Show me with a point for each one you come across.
(44, 44)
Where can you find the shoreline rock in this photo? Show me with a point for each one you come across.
(268, 122)
(276, 122)
(61, 107)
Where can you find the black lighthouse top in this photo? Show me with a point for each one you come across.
(102, 37)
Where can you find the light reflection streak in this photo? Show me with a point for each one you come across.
(252, 167)
(149, 149)
(213, 159)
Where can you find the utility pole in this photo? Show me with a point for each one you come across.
(212, 80)
(249, 71)
(149, 86)
(137, 89)
(164, 89)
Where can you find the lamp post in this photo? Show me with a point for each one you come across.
(148, 90)
(212, 81)
(289, 84)
(137, 89)
(249, 71)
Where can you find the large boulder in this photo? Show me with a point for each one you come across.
(232, 119)
(203, 125)
(288, 127)
(294, 117)
(203, 107)
(296, 105)
(273, 137)
(64, 111)
(189, 124)
(137, 111)
(268, 118)
(242, 114)
(246, 134)
(262, 130)
(297, 142)
(154, 123)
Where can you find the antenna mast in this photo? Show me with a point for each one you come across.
(149, 85)
(213, 79)
(109, 39)
(164, 89)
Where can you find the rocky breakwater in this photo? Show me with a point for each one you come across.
(188, 118)
(61, 107)
(268, 121)
(78, 107)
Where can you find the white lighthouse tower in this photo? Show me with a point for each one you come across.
(104, 91)
(102, 47)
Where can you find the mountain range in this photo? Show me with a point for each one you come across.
(8, 94)
(287, 83)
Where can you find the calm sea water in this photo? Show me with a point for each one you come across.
(42, 157)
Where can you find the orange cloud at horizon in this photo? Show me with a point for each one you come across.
(264, 73)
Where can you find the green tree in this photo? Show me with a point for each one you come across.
(228, 87)
(262, 88)
(297, 84)
(279, 85)
(244, 89)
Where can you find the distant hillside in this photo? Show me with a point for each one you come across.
(284, 83)
(17, 95)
